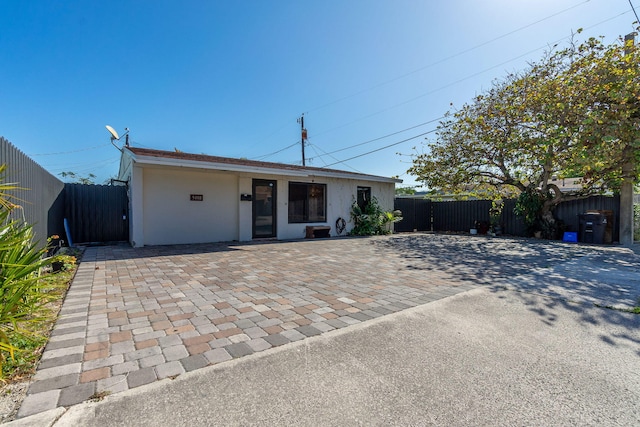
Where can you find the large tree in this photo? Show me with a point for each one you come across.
(574, 113)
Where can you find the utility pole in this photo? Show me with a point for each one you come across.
(303, 137)
(626, 188)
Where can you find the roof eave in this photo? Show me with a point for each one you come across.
(230, 167)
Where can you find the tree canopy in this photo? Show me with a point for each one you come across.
(574, 113)
(79, 179)
(405, 191)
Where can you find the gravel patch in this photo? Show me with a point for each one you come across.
(11, 396)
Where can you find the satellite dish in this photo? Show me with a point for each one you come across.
(112, 131)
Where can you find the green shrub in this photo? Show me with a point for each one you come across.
(372, 220)
(21, 293)
(21, 260)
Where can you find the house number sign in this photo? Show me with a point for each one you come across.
(197, 198)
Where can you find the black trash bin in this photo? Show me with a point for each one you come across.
(592, 227)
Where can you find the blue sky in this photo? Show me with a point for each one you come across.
(231, 78)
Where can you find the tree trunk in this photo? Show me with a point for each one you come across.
(548, 224)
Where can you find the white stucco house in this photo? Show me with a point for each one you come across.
(178, 198)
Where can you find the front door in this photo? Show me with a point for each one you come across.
(264, 208)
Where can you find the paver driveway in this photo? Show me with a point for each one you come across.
(133, 316)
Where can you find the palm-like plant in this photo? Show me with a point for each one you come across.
(5, 190)
(20, 262)
(372, 219)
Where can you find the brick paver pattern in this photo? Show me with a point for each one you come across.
(137, 315)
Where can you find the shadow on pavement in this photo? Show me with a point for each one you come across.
(484, 259)
(594, 281)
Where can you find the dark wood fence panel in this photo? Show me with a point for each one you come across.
(512, 224)
(459, 215)
(97, 213)
(424, 215)
(416, 214)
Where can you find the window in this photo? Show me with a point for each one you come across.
(307, 202)
(364, 196)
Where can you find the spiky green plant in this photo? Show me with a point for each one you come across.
(5, 190)
(21, 260)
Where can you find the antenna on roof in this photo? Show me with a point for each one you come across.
(116, 137)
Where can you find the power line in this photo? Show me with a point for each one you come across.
(425, 94)
(383, 148)
(439, 88)
(430, 65)
(634, 12)
(334, 158)
(464, 78)
(455, 55)
(431, 92)
(270, 135)
(132, 142)
(275, 152)
(317, 154)
(80, 167)
(70, 152)
(435, 90)
(455, 82)
(439, 62)
(385, 136)
(351, 146)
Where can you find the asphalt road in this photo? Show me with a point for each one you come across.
(491, 356)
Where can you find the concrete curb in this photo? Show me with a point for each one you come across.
(42, 419)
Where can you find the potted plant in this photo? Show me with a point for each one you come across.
(388, 218)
